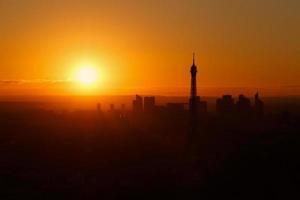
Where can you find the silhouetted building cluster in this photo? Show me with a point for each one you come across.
(175, 108)
(147, 105)
(171, 147)
(226, 106)
(195, 111)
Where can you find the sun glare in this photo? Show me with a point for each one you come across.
(87, 75)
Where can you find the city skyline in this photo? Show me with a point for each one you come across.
(148, 99)
(145, 47)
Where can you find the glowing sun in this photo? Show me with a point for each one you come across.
(87, 75)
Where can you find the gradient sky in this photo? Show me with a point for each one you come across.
(146, 46)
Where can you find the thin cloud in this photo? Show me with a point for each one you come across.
(10, 82)
(33, 81)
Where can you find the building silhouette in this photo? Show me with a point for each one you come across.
(243, 106)
(258, 106)
(202, 108)
(175, 108)
(193, 111)
(194, 99)
(137, 104)
(149, 104)
(225, 106)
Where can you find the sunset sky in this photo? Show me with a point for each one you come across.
(146, 46)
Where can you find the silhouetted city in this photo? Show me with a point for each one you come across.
(178, 148)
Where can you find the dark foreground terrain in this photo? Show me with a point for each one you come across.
(89, 155)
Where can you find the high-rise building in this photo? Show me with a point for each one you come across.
(175, 108)
(225, 105)
(258, 106)
(202, 108)
(149, 104)
(243, 106)
(137, 104)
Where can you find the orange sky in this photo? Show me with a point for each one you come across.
(146, 46)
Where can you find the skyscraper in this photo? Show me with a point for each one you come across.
(258, 106)
(243, 106)
(225, 106)
(149, 104)
(137, 104)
